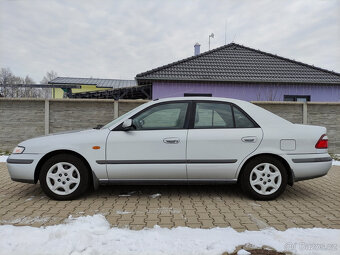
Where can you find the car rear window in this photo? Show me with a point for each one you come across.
(241, 120)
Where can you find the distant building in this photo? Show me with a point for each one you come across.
(95, 88)
(241, 72)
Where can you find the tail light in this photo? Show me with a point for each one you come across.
(322, 143)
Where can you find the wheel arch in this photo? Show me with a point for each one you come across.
(93, 180)
(281, 159)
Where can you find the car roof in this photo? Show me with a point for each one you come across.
(197, 98)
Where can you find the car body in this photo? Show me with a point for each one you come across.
(189, 140)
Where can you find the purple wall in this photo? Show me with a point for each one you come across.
(249, 92)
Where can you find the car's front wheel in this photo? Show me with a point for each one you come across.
(264, 178)
(64, 177)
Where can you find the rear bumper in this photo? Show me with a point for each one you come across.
(309, 166)
(21, 167)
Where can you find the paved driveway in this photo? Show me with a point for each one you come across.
(314, 203)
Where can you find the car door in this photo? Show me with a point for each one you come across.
(155, 149)
(221, 136)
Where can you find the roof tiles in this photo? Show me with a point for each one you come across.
(237, 63)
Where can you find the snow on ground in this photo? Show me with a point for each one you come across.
(3, 158)
(25, 220)
(122, 212)
(129, 194)
(93, 235)
(155, 195)
(335, 163)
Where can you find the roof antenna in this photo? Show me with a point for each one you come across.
(225, 32)
(211, 36)
(234, 37)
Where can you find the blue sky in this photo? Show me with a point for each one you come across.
(118, 39)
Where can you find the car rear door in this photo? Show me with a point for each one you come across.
(155, 149)
(220, 137)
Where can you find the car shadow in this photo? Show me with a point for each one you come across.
(233, 191)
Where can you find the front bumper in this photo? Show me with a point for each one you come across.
(309, 166)
(21, 167)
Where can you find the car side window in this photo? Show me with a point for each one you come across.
(163, 116)
(213, 115)
(241, 120)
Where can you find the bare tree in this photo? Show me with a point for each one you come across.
(47, 93)
(7, 78)
(8, 89)
(49, 76)
(6, 75)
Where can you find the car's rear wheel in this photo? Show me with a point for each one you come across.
(264, 178)
(64, 177)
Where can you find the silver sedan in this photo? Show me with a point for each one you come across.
(189, 140)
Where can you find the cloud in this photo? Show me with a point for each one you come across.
(118, 39)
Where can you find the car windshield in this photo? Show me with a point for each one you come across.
(120, 118)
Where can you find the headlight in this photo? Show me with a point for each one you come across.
(18, 150)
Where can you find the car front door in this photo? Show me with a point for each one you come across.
(221, 136)
(155, 149)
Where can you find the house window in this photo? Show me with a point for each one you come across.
(296, 98)
(197, 95)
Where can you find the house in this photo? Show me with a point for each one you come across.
(240, 72)
(89, 87)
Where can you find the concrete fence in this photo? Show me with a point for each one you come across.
(21, 119)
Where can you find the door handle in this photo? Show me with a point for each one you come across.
(171, 140)
(249, 139)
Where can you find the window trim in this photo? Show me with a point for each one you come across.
(186, 121)
(190, 116)
(295, 97)
(197, 95)
(232, 105)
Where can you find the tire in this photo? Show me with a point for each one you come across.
(64, 177)
(264, 178)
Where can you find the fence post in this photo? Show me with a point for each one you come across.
(47, 116)
(115, 109)
(304, 113)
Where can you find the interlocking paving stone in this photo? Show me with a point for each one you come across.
(312, 203)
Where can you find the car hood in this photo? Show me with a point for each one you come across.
(64, 140)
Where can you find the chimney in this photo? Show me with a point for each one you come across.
(197, 50)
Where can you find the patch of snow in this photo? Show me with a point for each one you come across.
(155, 195)
(336, 163)
(163, 210)
(243, 252)
(3, 158)
(127, 194)
(25, 220)
(260, 224)
(29, 199)
(93, 235)
(122, 212)
(254, 204)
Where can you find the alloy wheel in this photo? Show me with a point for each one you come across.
(265, 179)
(63, 178)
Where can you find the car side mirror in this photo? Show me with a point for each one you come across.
(127, 125)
